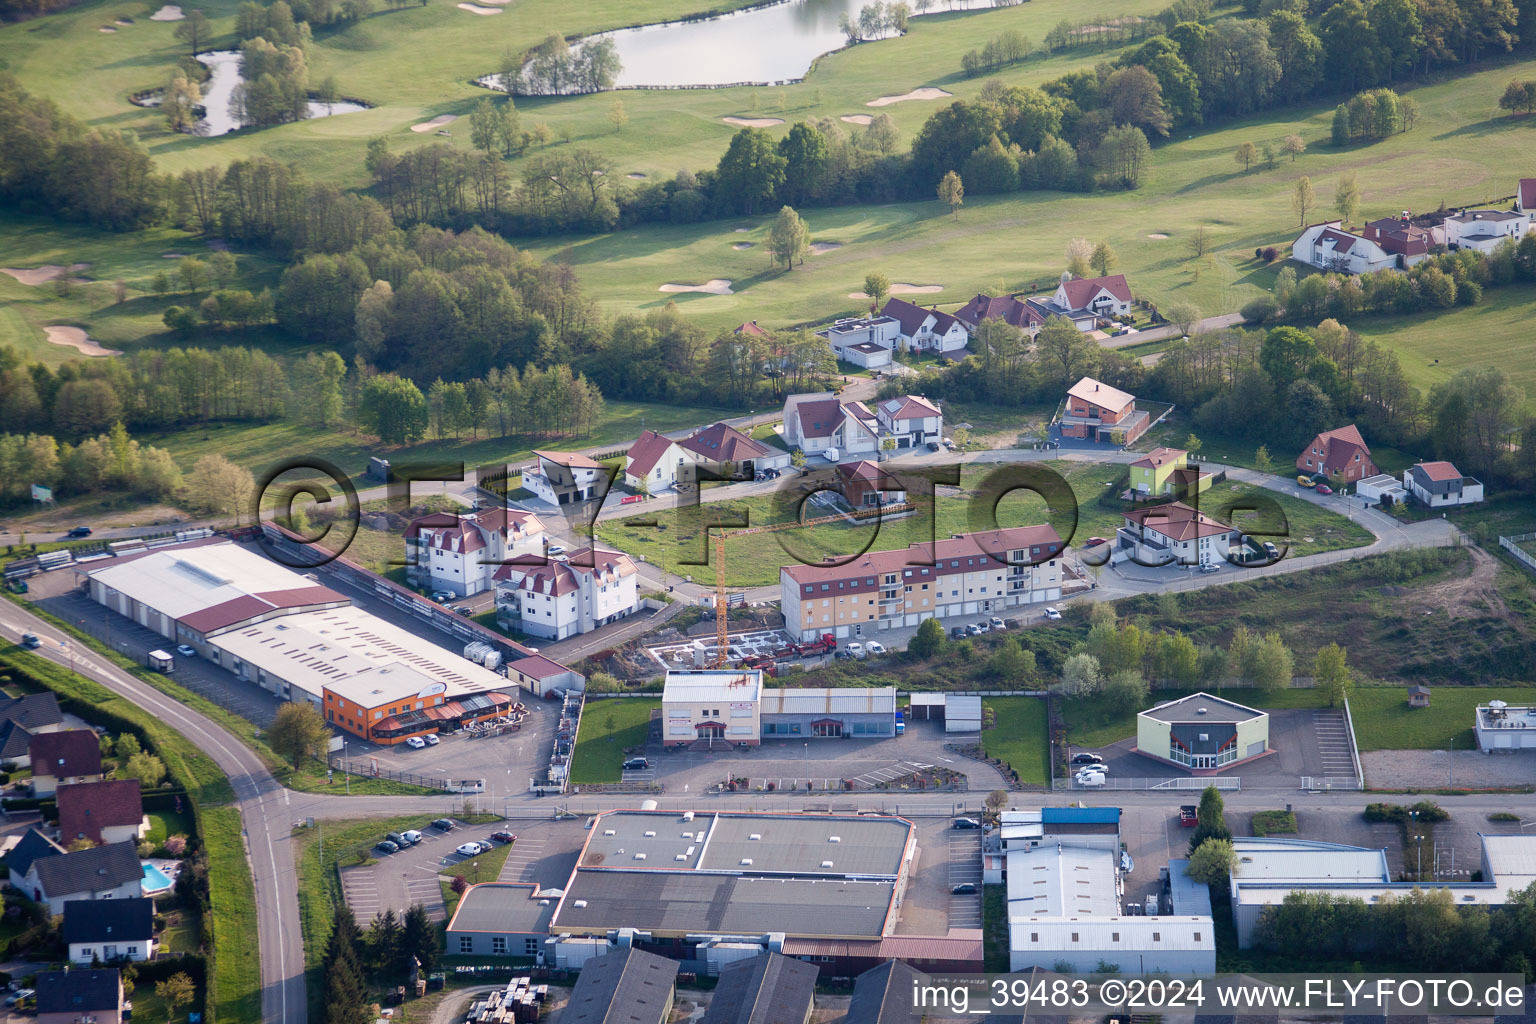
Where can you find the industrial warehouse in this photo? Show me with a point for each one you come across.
(299, 640)
(731, 706)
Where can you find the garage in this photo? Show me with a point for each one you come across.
(962, 713)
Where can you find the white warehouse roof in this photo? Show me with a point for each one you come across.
(1111, 933)
(1061, 881)
(1510, 860)
(861, 700)
(1275, 859)
(714, 684)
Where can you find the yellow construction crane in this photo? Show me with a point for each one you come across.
(722, 644)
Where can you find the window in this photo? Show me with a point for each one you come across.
(1074, 936)
(466, 944)
(1197, 936)
(1156, 936)
(1034, 936)
(531, 946)
(499, 944)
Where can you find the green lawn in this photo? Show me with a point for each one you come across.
(994, 928)
(1384, 721)
(607, 727)
(1020, 738)
(163, 824)
(474, 870)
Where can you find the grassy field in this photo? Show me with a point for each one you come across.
(607, 727)
(1019, 738)
(1384, 721)
(677, 542)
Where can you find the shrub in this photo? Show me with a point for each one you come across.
(1260, 309)
(1503, 816)
(1427, 810)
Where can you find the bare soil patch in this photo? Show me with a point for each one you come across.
(1473, 594)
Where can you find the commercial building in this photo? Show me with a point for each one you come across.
(959, 949)
(565, 478)
(459, 554)
(974, 573)
(1104, 415)
(680, 880)
(1202, 734)
(768, 988)
(109, 930)
(715, 704)
(883, 995)
(1441, 485)
(1503, 728)
(500, 919)
(626, 986)
(537, 674)
(815, 713)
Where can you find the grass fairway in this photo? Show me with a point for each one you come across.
(607, 727)
(1020, 738)
(1384, 721)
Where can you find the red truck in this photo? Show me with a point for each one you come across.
(1188, 816)
(816, 648)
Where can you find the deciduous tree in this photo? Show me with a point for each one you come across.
(789, 239)
(1330, 668)
(298, 732)
(1303, 198)
(1246, 154)
(951, 193)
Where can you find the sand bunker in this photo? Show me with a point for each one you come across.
(1158, 235)
(44, 274)
(753, 122)
(925, 93)
(170, 12)
(716, 286)
(905, 289)
(173, 255)
(436, 122)
(477, 9)
(817, 248)
(742, 245)
(741, 231)
(856, 118)
(109, 31)
(75, 338)
(635, 176)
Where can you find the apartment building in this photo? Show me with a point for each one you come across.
(969, 574)
(459, 554)
(563, 597)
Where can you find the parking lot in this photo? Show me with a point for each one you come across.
(964, 869)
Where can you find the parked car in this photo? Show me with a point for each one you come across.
(875, 647)
(471, 849)
(957, 633)
(1271, 550)
(1052, 613)
(20, 996)
(1127, 864)
(443, 824)
(976, 628)
(504, 837)
(31, 640)
(1188, 816)
(1012, 623)
(965, 889)
(841, 655)
(79, 531)
(1085, 757)
(431, 739)
(965, 823)
(442, 596)
(556, 549)
(1091, 780)
(1305, 481)
(637, 764)
(856, 650)
(934, 446)
(415, 742)
(386, 846)
(949, 444)
(1093, 542)
(398, 839)
(186, 650)
(413, 835)
(1089, 769)
(1324, 489)
(995, 622)
(1210, 567)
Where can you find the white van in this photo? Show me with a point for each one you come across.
(1091, 780)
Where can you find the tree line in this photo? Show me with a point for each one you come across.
(384, 955)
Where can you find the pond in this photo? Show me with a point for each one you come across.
(220, 119)
(768, 45)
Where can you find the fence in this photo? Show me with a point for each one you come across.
(1354, 747)
(1512, 545)
(1183, 782)
(1329, 783)
(369, 770)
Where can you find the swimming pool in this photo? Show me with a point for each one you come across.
(155, 880)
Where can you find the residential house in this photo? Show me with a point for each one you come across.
(769, 988)
(1340, 454)
(1102, 414)
(626, 985)
(863, 342)
(867, 485)
(926, 330)
(103, 812)
(537, 674)
(1007, 308)
(815, 423)
(78, 996)
(1165, 472)
(21, 718)
(654, 461)
(98, 873)
(15, 745)
(33, 845)
(911, 420)
(1525, 196)
(721, 443)
(565, 478)
(965, 575)
(1327, 246)
(63, 757)
(1087, 300)
(1406, 241)
(110, 930)
(562, 597)
(1483, 230)
(1441, 485)
(751, 328)
(883, 995)
(1174, 532)
(458, 554)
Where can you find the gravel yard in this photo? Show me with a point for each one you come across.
(1427, 769)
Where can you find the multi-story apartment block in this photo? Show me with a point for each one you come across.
(560, 598)
(973, 573)
(459, 555)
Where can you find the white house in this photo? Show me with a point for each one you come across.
(1483, 230)
(654, 460)
(459, 554)
(109, 931)
(911, 420)
(1087, 299)
(925, 330)
(99, 873)
(565, 478)
(1441, 485)
(563, 597)
(816, 422)
(1327, 246)
(1173, 532)
(863, 342)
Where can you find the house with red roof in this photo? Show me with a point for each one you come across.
(103, 812)
(1087, 300)
(815, 423)
(721, 443)
(61, 758)
(913, 421)
(1441, 485)
(565, 478)
(1096, 412)
(1328, 246)
(654, 460)
(1525, 195)
(537, 674)
(1340, 454)
(751, 329)
(457, 554)
(926, 330)
(1174, 532)
(1408, 240)
(867, 485)
(1007, 308)
(565, 596)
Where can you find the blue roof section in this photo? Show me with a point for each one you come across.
(1189, 897)
(1080, 815)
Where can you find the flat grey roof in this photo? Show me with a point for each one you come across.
(690, 902)
(1187, 709)
(502, 909)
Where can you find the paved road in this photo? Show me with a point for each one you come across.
(263, 805)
